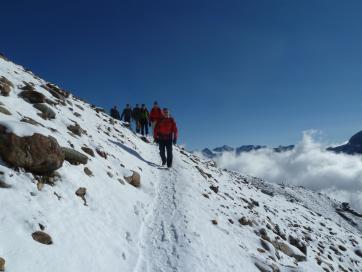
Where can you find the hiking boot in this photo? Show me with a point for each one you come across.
(163, 163)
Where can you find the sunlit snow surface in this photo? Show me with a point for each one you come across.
(165, 225)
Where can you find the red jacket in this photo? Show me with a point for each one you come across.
(156, 114)
(166, 129)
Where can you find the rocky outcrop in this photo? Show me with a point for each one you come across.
(73, 156)
(46, 112)
(42, 237)
(32, 96)
(134, 179)
(5, 86)
(56, 91)
(37, 153)
(354, 145)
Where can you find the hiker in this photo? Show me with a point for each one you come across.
(115, 113)
(165, 134)
(144, 120)
(127, 115)
(136, 117)
(155, 115)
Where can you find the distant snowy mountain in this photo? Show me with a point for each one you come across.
(352, 147)
(80, 192)
(218, 151)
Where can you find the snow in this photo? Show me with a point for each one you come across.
(165, 225)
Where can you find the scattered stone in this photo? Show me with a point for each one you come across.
(121, 181)
(74, 157)
(88, 150)
(88, 172)
(81, 192)
(76, 129)
(42, 237)
(56, 91)
(110, 174)
(27, 87)
(358, 252)
(214, 222)
(134, 180)
(31, 121)
(206, 195)
(37, 153)
(4, 111)
(269, 193)
(101, 153)
(5, 86)
(41, 226)
(46, 112)
(243, 221)
(342, 248)
(214, 188)
(261, 250)
(265, 244)
(298, 244)
(76, 114)
(289, 251)
(2, 264)
(32, 97)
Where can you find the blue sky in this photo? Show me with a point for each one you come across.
(232, 72)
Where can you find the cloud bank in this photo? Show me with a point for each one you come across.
(308, 165)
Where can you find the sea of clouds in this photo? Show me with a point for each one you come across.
(308, 165)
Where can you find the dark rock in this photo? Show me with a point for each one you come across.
(298, 244)
(143, 138)
(289, 250)
(214, 222)
(56, 91)
(243, 221)
(46, 112)
(27, 87)
(358, 252)
(101, 153)
(4, 185)
(37, 153)
(214, 188)
(42, 237)
(74, 157)
(88, 150)
(5, 86)
(4, 111)
(88, 172)
(81, 192)
(32, 96)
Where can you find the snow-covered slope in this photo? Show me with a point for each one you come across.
(194, 217)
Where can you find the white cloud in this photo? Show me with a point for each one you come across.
(309, 165)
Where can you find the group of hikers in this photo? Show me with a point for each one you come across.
(164, 127)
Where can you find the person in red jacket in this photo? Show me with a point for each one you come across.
(165, 134)
(155, 115)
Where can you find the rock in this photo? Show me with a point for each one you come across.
(46, 112)
(289, 250)
(5, 86)
(214, 222)
(243, 221)
(76, 114)
(42, 237)
(88, 150)
(2, 264)
(56, 91)
(215, 189)
(37, 153)
(31, 121)
(81, 192)
(101, 153)
(134, 180)
(27, 87)
(298, 244)
(4, 111)
(76, 129)
(73, 156)
(358, 252)
(4, 185)
(88, 172)
(32, 96)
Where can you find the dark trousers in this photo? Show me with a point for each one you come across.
(144, 127)
(166, 145)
